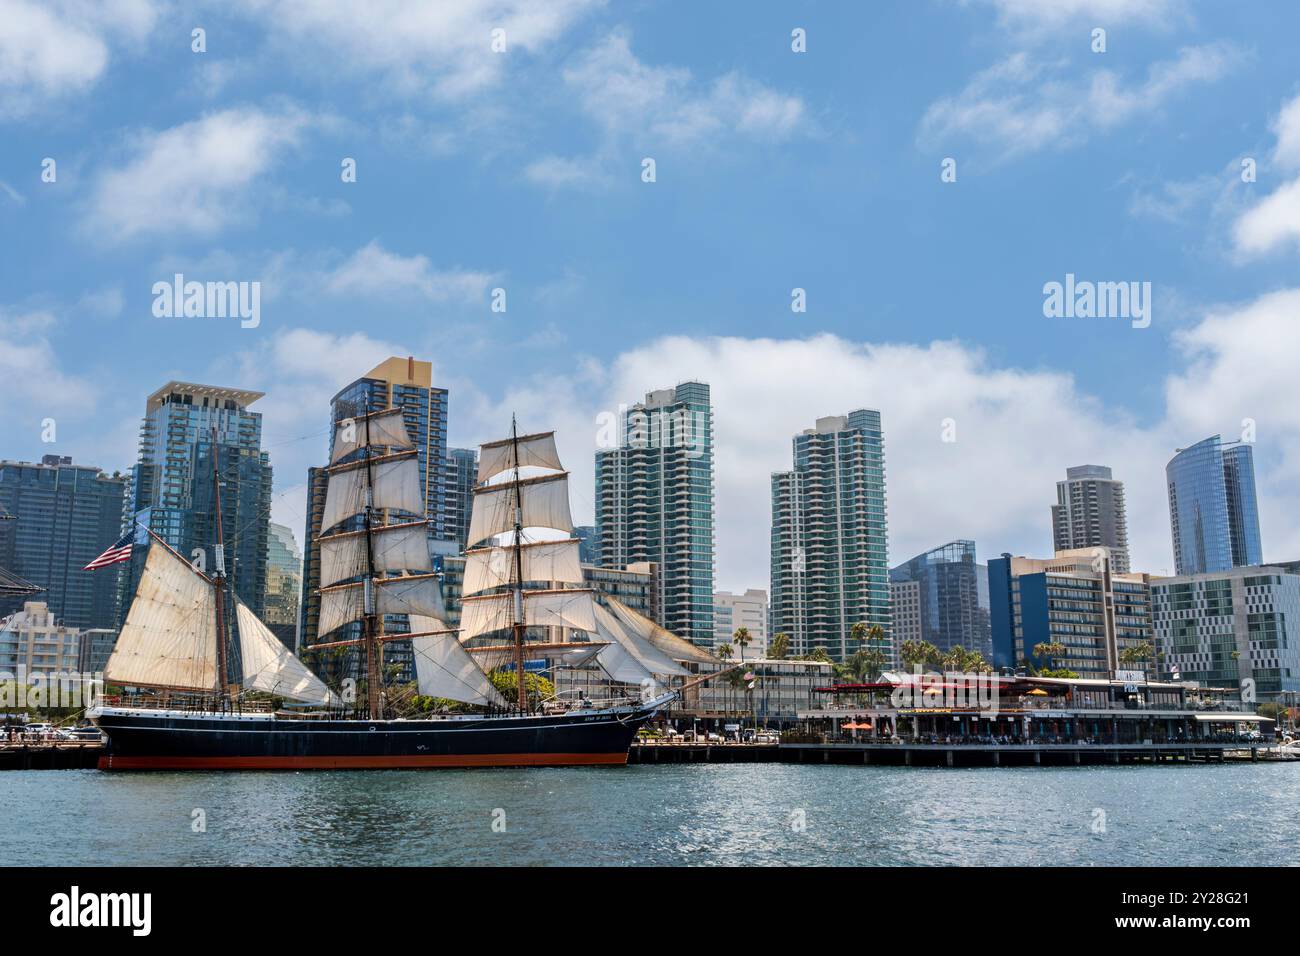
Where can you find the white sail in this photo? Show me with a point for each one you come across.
(668, 643)
(170, 635)
(620, 665)
(544, 502)
(549, 561)
(646, 654)
(270, 666)
(411, 594)
(495, 612)
(538, 450)
(381, 429)
(399, 547)
(445, 669)
(396, 486)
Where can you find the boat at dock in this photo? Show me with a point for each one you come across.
(208, 677)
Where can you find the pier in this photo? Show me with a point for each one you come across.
(50, 755)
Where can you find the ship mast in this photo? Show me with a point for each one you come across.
(519, 626)
(219, 574)
(374, 623)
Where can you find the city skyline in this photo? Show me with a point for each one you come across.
(732, 225)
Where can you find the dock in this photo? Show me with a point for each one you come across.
(51, 755)
(949, 755)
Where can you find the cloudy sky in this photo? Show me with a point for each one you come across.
(1172, 157)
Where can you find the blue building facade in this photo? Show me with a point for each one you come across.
(954, 604)
(1213, 512)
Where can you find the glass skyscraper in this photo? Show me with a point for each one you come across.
(462, 476)
(654, 503)
(1213, 514)
(830, 567)
(172, 490)
(953, 606)
(62, 517)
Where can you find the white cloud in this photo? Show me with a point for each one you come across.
(660, 108)
(195, 178)
(439, 48)
(1021, 105)
(373, 270)
(32, 371)
(52, 50)
(1275, 220)
(1103, 13)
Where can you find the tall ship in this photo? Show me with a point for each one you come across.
(209, 682)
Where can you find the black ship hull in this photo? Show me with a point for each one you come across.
(176, 740)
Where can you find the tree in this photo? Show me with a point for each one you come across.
(1140, 652)
(920, 653)
(536, 687)
(742, 640)
(723, 652)
(1051, 653)
(779, 647)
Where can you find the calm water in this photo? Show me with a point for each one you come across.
(660, 815)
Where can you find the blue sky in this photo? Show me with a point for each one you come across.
(820, 170)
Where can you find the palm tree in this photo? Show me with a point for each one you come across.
(914, 653)
(779, 647)
(1137, 653)
(742, 639)
(723, 652)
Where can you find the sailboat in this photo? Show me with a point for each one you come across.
(523, 600)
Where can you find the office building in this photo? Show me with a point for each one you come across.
(734, 611)
(1089, 513)
(953, 607)
(462, 476)
(905, 612)
(654, 503)
(283, 585)
(1224, 627)
(172, 488)
(1073, 599)
(1213, 515)
(58, 518)
(830, 567)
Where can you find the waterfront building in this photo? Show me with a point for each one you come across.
(32, 641)
(1089, 513)
(171, 487)
(905, 612)
(462, 476)
(952, 606)
(283, 585)
(830, 567)
(1213, 514)
(1221, 628)
(60, 517)
(395, 383)
(1073, 599)
(782, 690)
(748, 610)
(588, 545)
(94, 647)
(654, 503)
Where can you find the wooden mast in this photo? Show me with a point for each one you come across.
(520, 625)
(219, 574)
(373, 624)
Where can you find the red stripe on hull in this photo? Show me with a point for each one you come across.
(361, 762)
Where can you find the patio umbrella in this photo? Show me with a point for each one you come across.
(1037, 692)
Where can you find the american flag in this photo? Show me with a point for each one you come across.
(120, 550)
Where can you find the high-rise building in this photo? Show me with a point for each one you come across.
(588, 545)
(905, 613)
(830, 566)
(654, 503)
(1213, 515)
(395, 383)
(1223, 627)
(462, 476)
(952, 612)
(1073, 599)
(61, 517)
(283, 585)
(1089, 513)
(32, 641)
(734, 611)
(172, 491)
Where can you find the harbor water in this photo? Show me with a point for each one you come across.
(718, 814)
